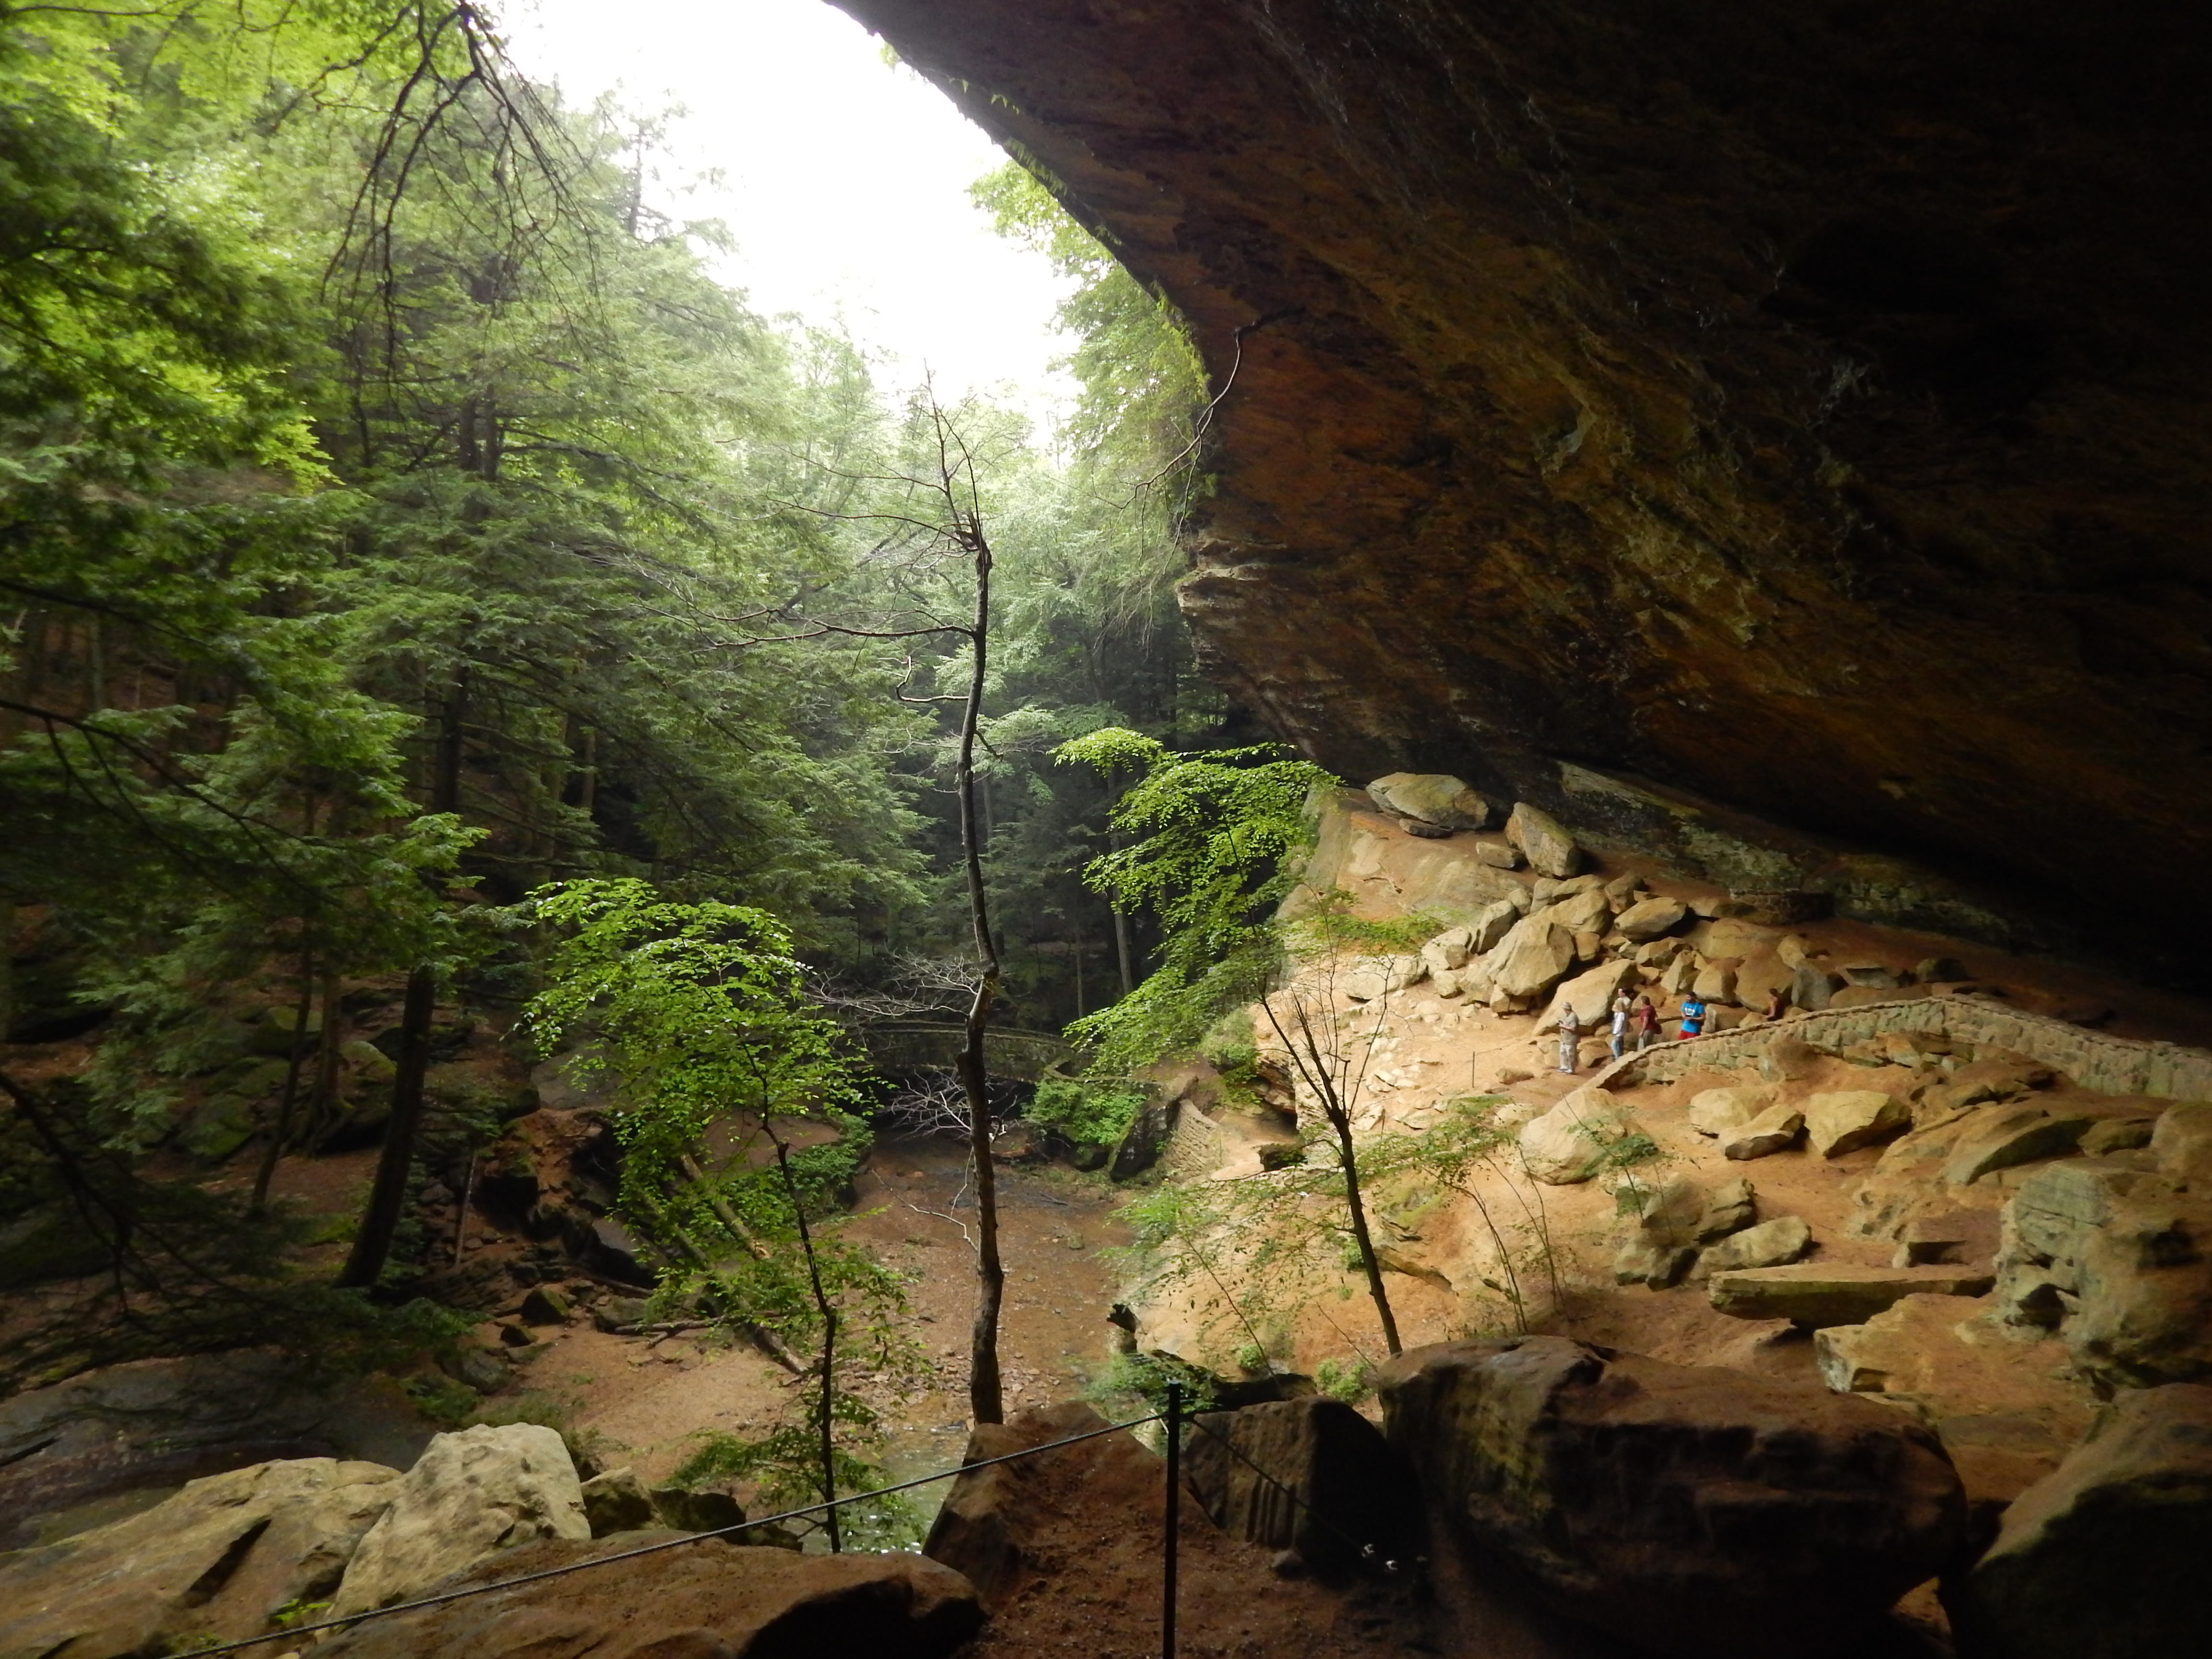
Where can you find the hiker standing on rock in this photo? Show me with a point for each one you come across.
(1571, 1038)
(1618, 1035)
(1646, 1021)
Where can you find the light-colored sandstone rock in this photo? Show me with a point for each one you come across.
(1774, 1130)
(1649, 918)
(1372, 978)
(1536, 954)
(1590, 995)
(1491, 924)
(1498, 854)
(1732, 1206)
(2013, 1135)
(1569, 1143)
(2181, 1142)
(469, 1493)
(213, 1562)
(705, 1600)
(1447, 953)
(1715, 982)
(1550, 850)
(1769, 1244)
(1834, 1293)
(1849, 1119)
(1430, 797)
(1586, 911)
(1810, 986)
(1716, 1111)
(1643, 1260)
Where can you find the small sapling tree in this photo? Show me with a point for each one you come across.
(740, 1125)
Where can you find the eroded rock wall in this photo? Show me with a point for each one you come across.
(1803, 406)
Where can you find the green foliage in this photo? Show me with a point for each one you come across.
(1213, 850)
(1330, 927)
(1351, 1383)
(780, 1468)
(738, 1131)
(1136, 1383)
(1090, 1113)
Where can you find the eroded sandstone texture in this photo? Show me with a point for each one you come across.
(1802, 404)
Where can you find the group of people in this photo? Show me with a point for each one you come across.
(1638, 1018)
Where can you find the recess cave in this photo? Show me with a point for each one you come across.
(1798, 405)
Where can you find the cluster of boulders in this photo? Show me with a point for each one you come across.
(1705, 1512)
(1551, 937)
(2113, 1254)
(237, 1554)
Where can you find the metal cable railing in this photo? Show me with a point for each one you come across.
(1174, 1417)
(467, 1590)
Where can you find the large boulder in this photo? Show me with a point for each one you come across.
(1371, 978)
(1590, 995)
(1775, 1130)
(2117, 1260)
(1818, 1293)
(2013, 1135)
(471, 1493)
(1310, 1475)
(2103, 1559)
(1769, 1244)
(1700, 1511)
(1550, 850)
(1649, 918)
(1536, 954)
(1848, 1119)
(1571, 1141)
(1430, 798)
(1491, 924)
(705, 1600)
(1716, 1111)
(213, 1562)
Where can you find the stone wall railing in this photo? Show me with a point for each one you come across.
(2107, 1064)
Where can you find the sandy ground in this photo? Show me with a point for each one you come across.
(644, 1402)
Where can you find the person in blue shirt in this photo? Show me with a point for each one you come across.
(1693, 1016)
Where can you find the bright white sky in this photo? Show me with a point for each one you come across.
(842, 180)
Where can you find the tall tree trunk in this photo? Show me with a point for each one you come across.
(825, 1398)
(372, 1245)
(985, 1396)
(281, 1131)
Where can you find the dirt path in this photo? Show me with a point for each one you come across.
(647, 1400)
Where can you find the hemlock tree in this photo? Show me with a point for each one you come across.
(698, 1014)
(1211, 846)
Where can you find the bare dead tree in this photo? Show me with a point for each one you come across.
(1331, 1059)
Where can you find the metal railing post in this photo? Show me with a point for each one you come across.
(1174, 1521)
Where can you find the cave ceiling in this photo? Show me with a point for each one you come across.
(1801, 404)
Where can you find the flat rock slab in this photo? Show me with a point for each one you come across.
(705, 1600)
(1818, 1293)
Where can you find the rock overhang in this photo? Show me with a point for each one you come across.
(1797, 410)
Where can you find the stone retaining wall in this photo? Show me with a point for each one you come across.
(2107, 1064)
(1194, 1146)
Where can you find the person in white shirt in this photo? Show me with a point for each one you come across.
(1570, 1034)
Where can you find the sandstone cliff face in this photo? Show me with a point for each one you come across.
(1802, 405)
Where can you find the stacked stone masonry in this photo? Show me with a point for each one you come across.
(2107, 1064)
